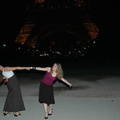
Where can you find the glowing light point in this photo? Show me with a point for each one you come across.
(4, 45)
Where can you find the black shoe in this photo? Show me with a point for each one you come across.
(17, 114)
(6, 113)
(46, 117)
(49, 113)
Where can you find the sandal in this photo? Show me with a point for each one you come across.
(16, 114)
(6, 113)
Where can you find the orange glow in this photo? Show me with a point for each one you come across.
(92, 29)
(24, 33)
(44, 54)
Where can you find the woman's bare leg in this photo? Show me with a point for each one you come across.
(50, 109)
(45, 106)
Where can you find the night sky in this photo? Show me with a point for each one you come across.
(104, 13)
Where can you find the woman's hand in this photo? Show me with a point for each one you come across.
(65, 81)
(5, 80)
(70, 86)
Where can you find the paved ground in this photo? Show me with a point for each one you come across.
(92, 98)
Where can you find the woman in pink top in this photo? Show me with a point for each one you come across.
(46, 95)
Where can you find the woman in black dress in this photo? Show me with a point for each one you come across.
(14, 102)
(46, 95)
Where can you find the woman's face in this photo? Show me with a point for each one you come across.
(1, 67)
(54, 67)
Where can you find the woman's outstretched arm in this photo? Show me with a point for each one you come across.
(16, 68)
(65, 81)
(42, 68)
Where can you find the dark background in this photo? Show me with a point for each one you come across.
(104, 53)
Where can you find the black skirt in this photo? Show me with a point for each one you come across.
(46, 94)
(14, 101)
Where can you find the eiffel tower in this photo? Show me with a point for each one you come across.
(58, 26)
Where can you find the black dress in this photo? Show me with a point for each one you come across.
(46, 94)
(14, 101)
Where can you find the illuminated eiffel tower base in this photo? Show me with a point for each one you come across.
(62, 27)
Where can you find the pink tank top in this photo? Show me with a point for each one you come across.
(48, 79)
